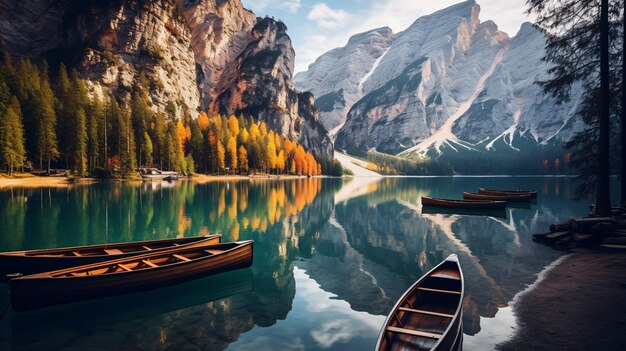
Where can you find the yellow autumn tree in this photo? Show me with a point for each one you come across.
(233, 125)
(280, 161)
(231, 150)
(184, 134)
(203, 122)
(221, 153)
(242, 158)
(271, 154)
(254, 132)
(244, 136)
(263, 129)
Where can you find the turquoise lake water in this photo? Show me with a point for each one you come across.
(331, 257)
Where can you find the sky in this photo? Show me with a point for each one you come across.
(317, 26)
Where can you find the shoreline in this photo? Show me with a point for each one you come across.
(32, 181)
(576, 305)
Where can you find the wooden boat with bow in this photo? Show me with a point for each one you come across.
(464, 204)
(429, 314)
(127, 275)
(532, 193)
(508, 198)
(35, 261)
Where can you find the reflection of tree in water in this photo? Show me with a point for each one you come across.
(283, 218)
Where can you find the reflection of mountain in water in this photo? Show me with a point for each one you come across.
(377, 248)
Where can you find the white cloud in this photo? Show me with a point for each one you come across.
(327, 18)
(397, 14)
(261, 5)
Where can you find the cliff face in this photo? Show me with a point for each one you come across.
(191, 52)
(258, 82)
(220, 30)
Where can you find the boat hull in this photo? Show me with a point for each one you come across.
(35, 261)
(533, 194)
(508, 198)
(29, 292)
(464, 204)
(429, 314)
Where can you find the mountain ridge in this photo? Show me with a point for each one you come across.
(476, 86)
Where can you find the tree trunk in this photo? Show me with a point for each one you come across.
(623, 119)
(603, 201)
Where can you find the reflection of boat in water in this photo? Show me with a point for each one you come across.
(533, 194)
(127, 274)
(47, 324)
(156, 174)
(35, 261)
(428, 315)
(466, 204)
(464, 211)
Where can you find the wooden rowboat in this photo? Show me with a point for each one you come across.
(533, 194)
(510, 197)
(429, 314)
(35, 261)
(468, 204)
(126, 275)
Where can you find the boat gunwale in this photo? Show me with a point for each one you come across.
(47, 253)
(507, 192)
(464, 201)
(394, 310)
(51, 274)
(505, 197)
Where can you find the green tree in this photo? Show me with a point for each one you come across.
(47, 145)
(578, 33)
(12, 150)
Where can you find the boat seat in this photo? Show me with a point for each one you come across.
(213, 252)
(113, 251)
(147, 262)
(182, 258)
(75, 253)
(145, 247)
(411, 310)
(446, 274)
(439, 291)
(414, 333)
(124, 267)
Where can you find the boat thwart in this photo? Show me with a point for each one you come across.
(429, 314)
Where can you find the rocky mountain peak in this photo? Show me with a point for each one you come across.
(447, 82)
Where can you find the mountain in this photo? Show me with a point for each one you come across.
(449, 83)
(192, 52)
(336, 77)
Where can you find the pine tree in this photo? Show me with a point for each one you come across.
(47, 145)
(12, 150)
(80, 147)
(578, 33)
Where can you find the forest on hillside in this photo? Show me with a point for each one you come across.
(52, 121)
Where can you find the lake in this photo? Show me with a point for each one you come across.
(331, 257)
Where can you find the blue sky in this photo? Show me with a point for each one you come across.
(318, 26)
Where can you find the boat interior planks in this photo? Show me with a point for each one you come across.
(36, 261)
(428, 316)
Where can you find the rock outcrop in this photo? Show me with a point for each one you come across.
(196, 55)
(258, 83)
